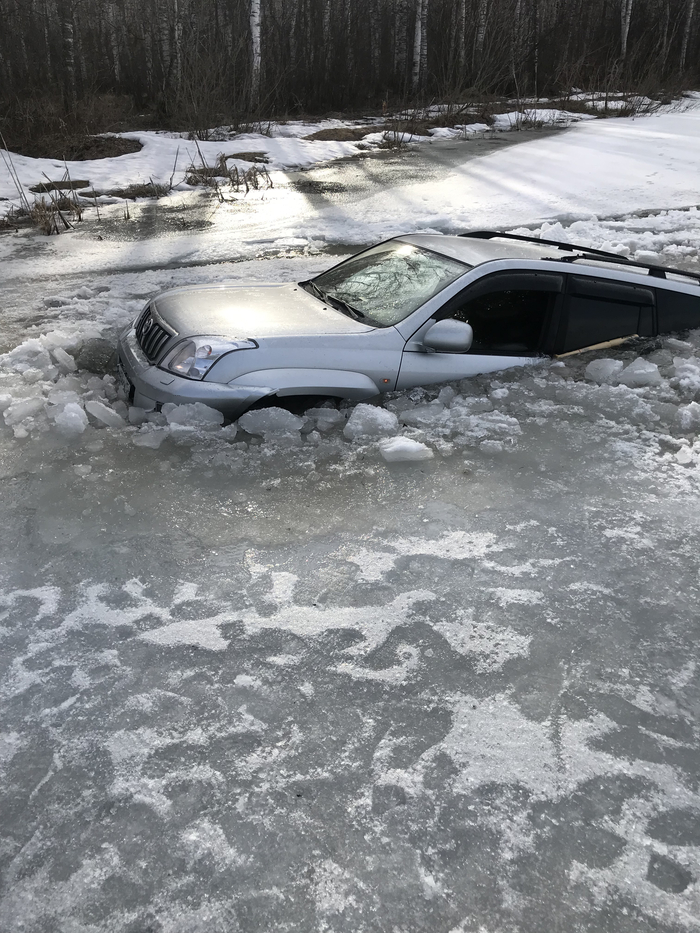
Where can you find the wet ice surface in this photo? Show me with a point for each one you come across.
(263, 676)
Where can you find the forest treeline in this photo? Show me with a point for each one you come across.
(197, 63)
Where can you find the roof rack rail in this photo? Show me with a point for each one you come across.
(656, 271)
(567, 247)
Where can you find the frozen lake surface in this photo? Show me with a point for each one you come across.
(270, 681)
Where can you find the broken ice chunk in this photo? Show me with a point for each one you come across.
(25, 408)
(687, 374)
(603, 371)
(194, 413)
(61, 397)
(65, 360)
(369, 420)
(32, 375)
(137, 415)
(104, 414)
(446, 394)
(72, 420)
(394, 449)
(689, 416)
(150, 437)
(640, 373)
(491, 447)
(325, 418)
(270, 422)
(423, 415)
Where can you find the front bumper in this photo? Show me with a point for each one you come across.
(151, 387)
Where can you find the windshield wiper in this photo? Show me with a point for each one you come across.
(338, 303)
(311, 286)
(346, 308)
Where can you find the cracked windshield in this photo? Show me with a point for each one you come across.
(387, 283)
(350, 467)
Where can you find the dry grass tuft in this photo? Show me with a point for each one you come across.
(226, 179)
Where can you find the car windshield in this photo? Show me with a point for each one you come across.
(385, 284)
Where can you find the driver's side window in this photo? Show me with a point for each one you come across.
(508, 312)
(509, 322)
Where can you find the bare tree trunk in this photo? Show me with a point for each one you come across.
(177, 46)
(417, 45)
(375, 37)
(70, 83)
(293, 32)
(400, 27)
(113, 40)
(663, 54)
(461, 39)
(482, 14)
(327, 45)
(516, 53)
(424, 44)
(255, 53)
(626, 12)
(536, 46)
(47, 37)
(163, 27)
(686, 35)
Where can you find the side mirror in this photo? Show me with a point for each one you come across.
(449, 336)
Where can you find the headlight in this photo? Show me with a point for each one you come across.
(194, 358)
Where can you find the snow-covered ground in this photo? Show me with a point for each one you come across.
(595, 169)
(166, 157)
(269, 676)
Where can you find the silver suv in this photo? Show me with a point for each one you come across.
(408, 312)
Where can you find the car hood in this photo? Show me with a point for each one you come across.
(251, 311)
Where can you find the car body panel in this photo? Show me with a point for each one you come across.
(334, 382)
(419, 368)
(251, 311)
(376, 353)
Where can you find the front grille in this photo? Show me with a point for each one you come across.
(150, 334)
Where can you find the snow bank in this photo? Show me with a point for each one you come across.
(671, 237)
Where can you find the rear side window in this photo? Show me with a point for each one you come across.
(677, 311)
(599, 310)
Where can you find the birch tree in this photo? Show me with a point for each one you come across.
(70, 82)
(256, 58)
(424, 43)
(420, 46)
(417, 47)
(461, 37)
(626, 16)
(686, 34)
(482, 13)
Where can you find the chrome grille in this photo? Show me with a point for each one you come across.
(150, 334)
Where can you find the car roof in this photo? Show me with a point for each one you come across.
(474, 252)
(489, 246)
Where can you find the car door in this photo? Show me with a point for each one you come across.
(514, 319)
(598, 311)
